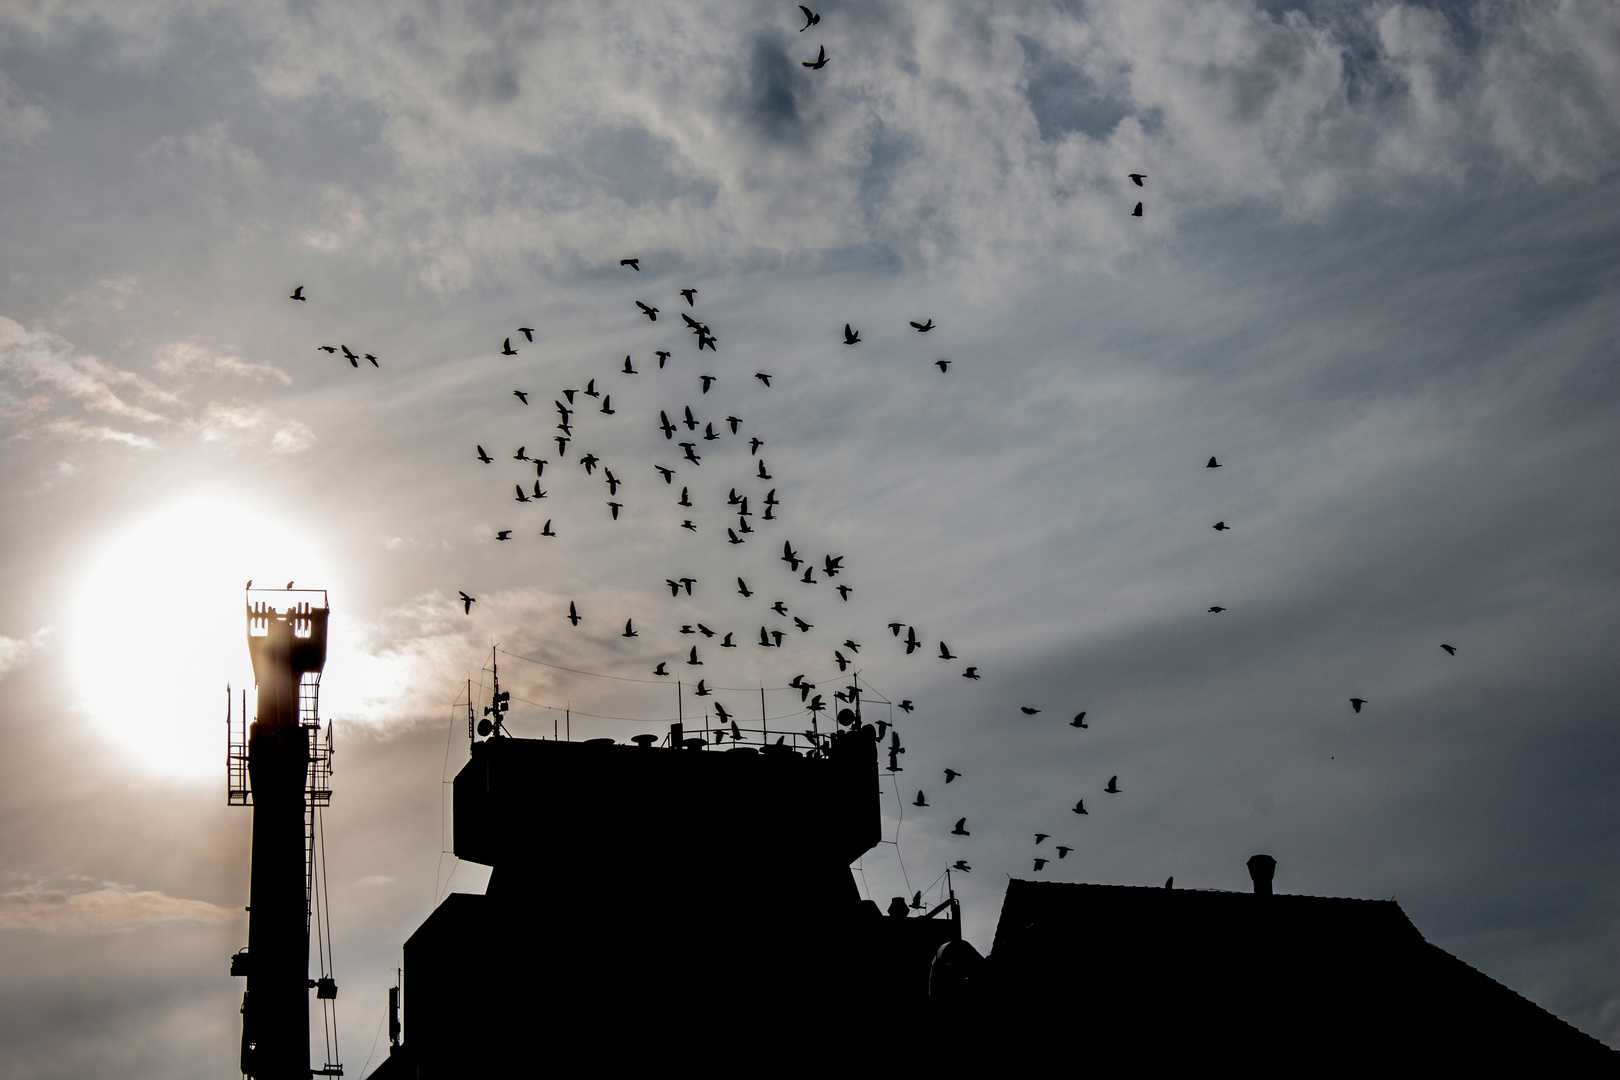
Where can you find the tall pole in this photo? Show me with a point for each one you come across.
(286, 641)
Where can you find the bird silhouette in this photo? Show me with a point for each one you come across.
(522, 454)
(709, 434)
(1137, 178)
(589, 461)
(726, 642)
(615, 507)
(779, 607)
(753, 445)
(546, 529)
(527, 332)
(844, 591)
(919, 800)
(607, 405)
(482, 456)
(573, 613)
(971, 673)
(504, 534)
(662, 356)
(942, 364)
(959, 830)
(1041, 837)
(613, 482)
(803, 626)
(688, 526)
(506, 348)
(733, 538)
(521, 497)
(691, 295)
(466, 602)
(1079, 808)
(1449, 648)
(962, 865)
(628, 370)
(668, 428)
(684, 501)
(1079, 720)
(669, 474)
(906, 706)
(353, 360)
(916, 900)
(912, 644)
(634, 264)
(851, 337)
(819, 62)
(1040, 864)
(851, 646)
(1220, 526)
(1027, 711)
(1063, 852)
(762, 377)
(1170, 882)
(1113, 785)
(808, 579)
(894, 628)
(763, 475)
(629, 631)
(521, 396)
(923, 327)
(1356, 703)
(790, 556)
(707, 381)
(289, 586)
(832, 564)
(810, 18)
(374, 363)
(1213, 464)
(945, 653)
(659, 670)
(298, 294)
(702, 690)
(562, 443)
(647, 310)
(326, 348)
(674, 586)
(1138, 211)
(1216, 609)
(693, 659)
(591, 390)
(689, 453)
(742, 588)
(951, 774)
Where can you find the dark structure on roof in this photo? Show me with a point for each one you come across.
(657, 905)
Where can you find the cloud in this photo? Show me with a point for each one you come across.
(15, 652)
(292, 438)
(40, 371)
(90, 907)
(184, 358)
(20, 121)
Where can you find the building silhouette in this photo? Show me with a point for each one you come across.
(651, 904)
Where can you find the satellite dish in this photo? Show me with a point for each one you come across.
(846, 717)
(484, 728)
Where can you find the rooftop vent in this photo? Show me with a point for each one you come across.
(1261, 870)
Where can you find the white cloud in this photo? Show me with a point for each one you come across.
(187, 357)
(99, 907)
(20, 121)
(15, 652)
(292, 438)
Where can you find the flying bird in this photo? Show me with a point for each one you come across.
(1356, 703)
(945, 653)
(674, 586)
(790, 556)
(709, 434)
(1137, 178)
(803, 626)
(684, 501)
(1040, 864)
(634, 264)
(832, 564)
(702, 691)
(668, 428)
(615, 507)
(1063, 852)
(1216, 609)
(374, 363)
(851, 337)
(1138, 211)
(727, 643)
(628, 370)
(662, 356)
(659, 670)
(527, 332)
(521, 396)
(951, 774)
(647, 310)
(693, 660)
(688, 526)
(1079, 720)
(942, 364)
(482, 456)
(607, 405)
(844, 591)
(906, 706)
(1079, 808)
(733, 538)
(912, 644)
(521, 496)
(851, 645)
(573, 613)
(506, 348)
(546, 529)
(810, 19)
(962, 865)
(326, 348)
(466, 601)
(591, 390)
(1113, 785)
(298, 294)
(971, 673)
(708, 380)
(1213, 464)
(762, 377)
(690, 455)
(690, 295)
(742, 587)
(819, 62)
(1027, 711)
(1451, 649)
(959, 830)
(354, 361)
(1041, 837)
(629, 631)
(923, 327)
(613, 482)
(589, 461)
(669, 474)
(808, 579)
(919, 800)
(763, 475)
(1220, 526)
(734, 421)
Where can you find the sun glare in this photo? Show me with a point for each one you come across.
(160, 627)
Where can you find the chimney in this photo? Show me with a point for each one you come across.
(1261, 869)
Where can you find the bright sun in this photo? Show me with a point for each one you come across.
(160, 627)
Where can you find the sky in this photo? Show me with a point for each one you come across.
(1375, 276)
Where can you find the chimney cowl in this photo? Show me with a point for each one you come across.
(1261, 870)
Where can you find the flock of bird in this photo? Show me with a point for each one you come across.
(572, 404)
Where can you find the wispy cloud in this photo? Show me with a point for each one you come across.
(15, 652)
(99, 907)
(189, 358)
